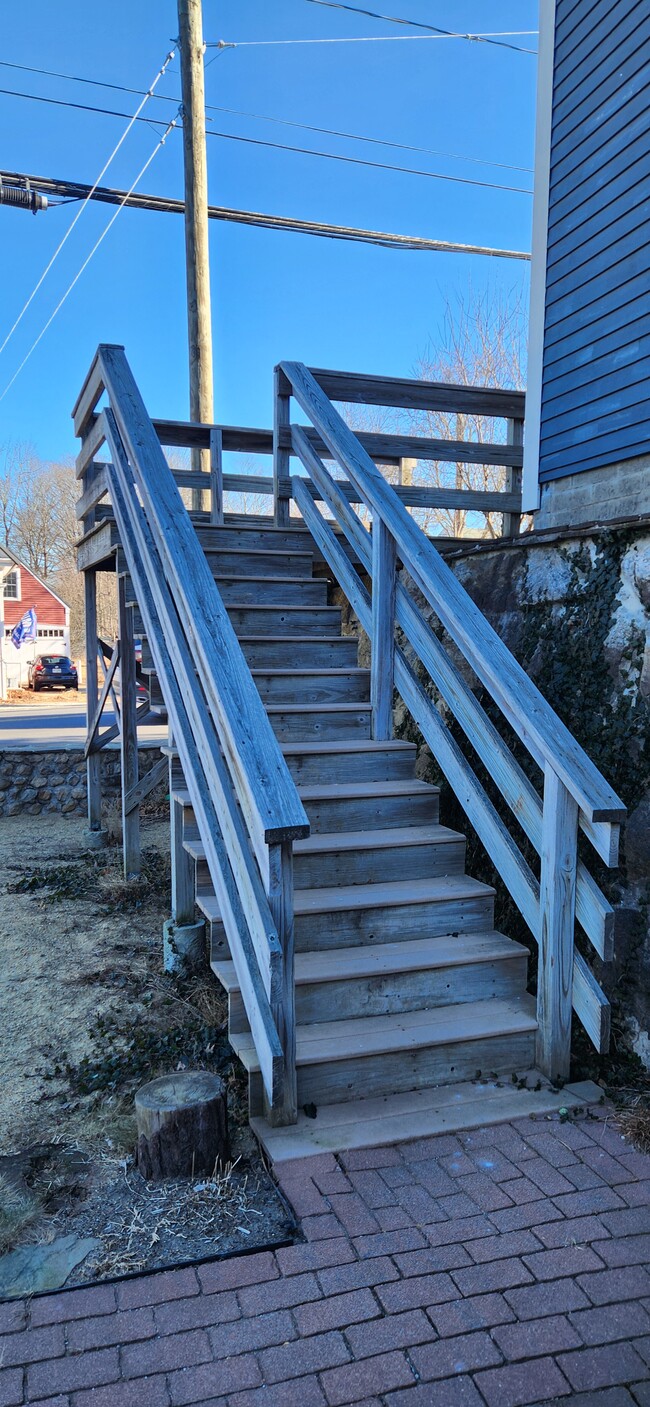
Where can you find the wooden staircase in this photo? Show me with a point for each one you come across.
(370, 996)
(402, 982)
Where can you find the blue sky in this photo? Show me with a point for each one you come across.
(273, 295)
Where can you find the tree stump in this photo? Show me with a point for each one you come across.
(182, 1125)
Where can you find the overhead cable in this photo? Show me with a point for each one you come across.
(169, 205)
(278, 121)
(486, 38)
(284, 146)
(102, 237)
(80, 212)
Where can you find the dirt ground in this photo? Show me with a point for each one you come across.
(86, 1016)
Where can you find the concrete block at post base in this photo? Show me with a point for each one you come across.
(95, 840)
(184, 947)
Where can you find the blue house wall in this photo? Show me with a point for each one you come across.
(595, 407)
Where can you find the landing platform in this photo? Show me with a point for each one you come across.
(372, 1123)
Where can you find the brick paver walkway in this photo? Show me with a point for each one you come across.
(506, 1266)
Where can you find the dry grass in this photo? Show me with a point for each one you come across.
(18, 1210)
(166, 1210)
(634, 1119)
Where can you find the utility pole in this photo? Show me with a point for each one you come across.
(197, 253)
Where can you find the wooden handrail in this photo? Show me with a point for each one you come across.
(533, 719)
(264, 785)
(351, 387)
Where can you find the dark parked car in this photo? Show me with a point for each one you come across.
(52, 672)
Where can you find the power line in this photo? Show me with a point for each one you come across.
(283, 146)
(374, 165)
(169, 205)
(280, 121)
(80, 212)
(485, 38)
(488, 36)
(122, 203)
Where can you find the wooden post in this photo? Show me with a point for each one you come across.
(512, 521)
(405, 472)
(93, 764)
(216, 476)
(183, 866)
(559, 857)
(281, 457)
(197, 249)
(128, 736)
(382, 657)
(284, 1013)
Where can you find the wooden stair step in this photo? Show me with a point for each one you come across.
(391, 1054)
(366, 857)
(314, 685)
(421, 1113)
(394, 977)
(259, 562)
(215, 536)
(283, 619)
(356, 914)
(301, 651)
(376, 856)
(268, 590)
(363, 759)
(360, 805)
(300, 722)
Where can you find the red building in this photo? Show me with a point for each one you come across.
(22, 590)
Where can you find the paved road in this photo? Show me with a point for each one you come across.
(57, 724)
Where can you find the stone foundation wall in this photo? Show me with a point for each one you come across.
(34, 783)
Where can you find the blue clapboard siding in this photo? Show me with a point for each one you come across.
(596, 369)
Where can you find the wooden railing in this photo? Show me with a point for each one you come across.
(575, 795)
(247, 808)
(394, 452)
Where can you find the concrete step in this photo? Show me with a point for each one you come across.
(388, 1120)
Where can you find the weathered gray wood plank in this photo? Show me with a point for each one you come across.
(384, 571)
(557, 923)
(128, 738)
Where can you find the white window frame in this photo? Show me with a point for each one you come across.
(14, 571)
(530, 477)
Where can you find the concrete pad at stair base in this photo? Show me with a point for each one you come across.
(370, 1123)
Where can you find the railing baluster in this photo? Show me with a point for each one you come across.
(281, 457)
(93, 763)
(382, 665)
(559, 858)
(512, 521)
(284, 1012)
(128, 735)
(216, 476)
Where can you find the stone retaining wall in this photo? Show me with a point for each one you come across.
(54, 779)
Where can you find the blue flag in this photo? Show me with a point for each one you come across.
(25, 630)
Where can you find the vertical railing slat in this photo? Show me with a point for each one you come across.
(559, 856)
(512, 521)
(93, 764)
(284, 1011)
(128, 735)
(216, 476)
(281, 457)
(382, 658)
